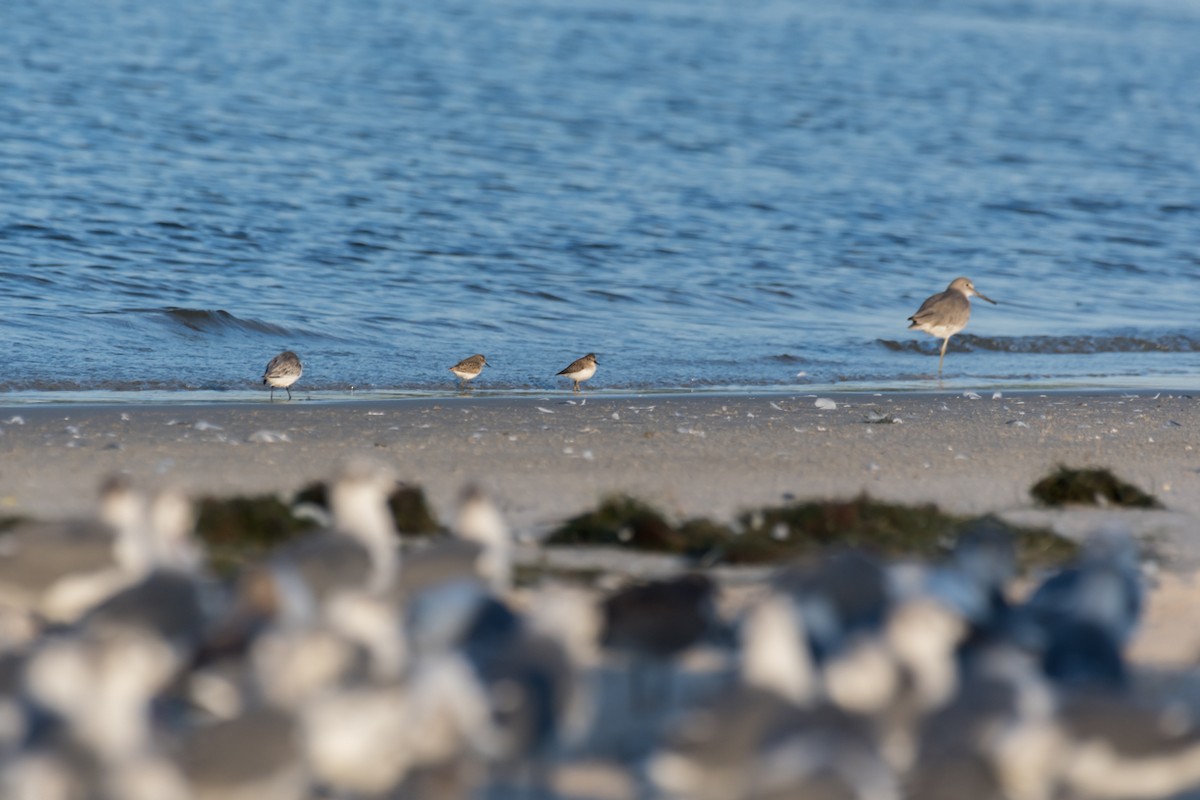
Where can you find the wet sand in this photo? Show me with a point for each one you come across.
(546, 458)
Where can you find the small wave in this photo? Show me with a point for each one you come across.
(208, 321)
(615, 297)
(1018, 207)
(190, 321)
(538, 294)
(1057, 345)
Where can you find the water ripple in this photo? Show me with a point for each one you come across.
(190, 187)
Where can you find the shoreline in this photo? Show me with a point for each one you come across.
(253, 395)
(548, 457)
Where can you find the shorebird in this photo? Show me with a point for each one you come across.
(99, 737)
(1103, 587)
(101, 685)
(1081, 618)
(479, 521)
(654, 621)
(56, 572)
(998, 736)
(168, 604)
(771, 734)
(659, 618)
(469, 368)
(1122, 744)
(530, 686)
(257, 754)
(580, 370)
(751, 743)
(476, 558)
(844, 595)
(946, 313)
(282, 371)
(359, 551)
(984, 562)
(358, 738)
(775, 656)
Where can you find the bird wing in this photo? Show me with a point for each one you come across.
(935, 304)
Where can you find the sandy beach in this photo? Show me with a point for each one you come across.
(546, 458)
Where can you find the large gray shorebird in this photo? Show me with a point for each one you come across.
(946, 313)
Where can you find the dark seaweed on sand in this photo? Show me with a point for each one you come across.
(237, 530)
(885, 529)
(1094, 487)
(624, 521)
(411, 512)
(7, 523)
(796, 530)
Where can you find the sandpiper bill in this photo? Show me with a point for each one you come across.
(282, 371)
(580, 370)
(946, 313)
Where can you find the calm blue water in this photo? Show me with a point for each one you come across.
(707, 193)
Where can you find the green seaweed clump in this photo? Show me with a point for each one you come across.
(798, 530)
(8, 522)
(1040, 547)
(239, 530)
(803, 529)
(622, 521)
(1093, 487)
(884, 529)
(411, 512)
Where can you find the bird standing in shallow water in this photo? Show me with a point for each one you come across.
(580, 370)
(282, 371)
(946, 313)
(469, 368)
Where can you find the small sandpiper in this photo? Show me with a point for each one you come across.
(469, 368)
(946, 313)
(282, 371)
(580, 370)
